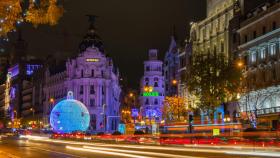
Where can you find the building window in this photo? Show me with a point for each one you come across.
(222, 46)
(92, 102)
(215, 49)
(156, 84)
(264, 30)
(147, 102)
(274, 25)
(253, 57)
(234, 38)
(155, 79)
(245, 38)
(93, 121)
(255, 34)
(273, 49)
(82, 73)
(92, 73)
(92, 91)
(147, 79)
(103, 90)
(147, 68)
(81, 89)
(102, 73)
(262, 53)
(156, 101)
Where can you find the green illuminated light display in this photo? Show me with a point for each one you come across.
(150, 94)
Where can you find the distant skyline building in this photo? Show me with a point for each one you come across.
(94, 80)
(170, 68)
(152, 88)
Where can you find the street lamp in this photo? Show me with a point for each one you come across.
(31, 109)
(227, 119)
(131, 95)
(174, 82)
(15, 112)
(52, 100)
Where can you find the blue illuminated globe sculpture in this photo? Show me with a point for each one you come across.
(69, 115)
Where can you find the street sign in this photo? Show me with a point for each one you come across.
(216, 132)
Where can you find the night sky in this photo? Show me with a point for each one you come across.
(128, 29)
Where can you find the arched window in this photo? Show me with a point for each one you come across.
(147, 68)
(92, 91)
(156, 101)
(92, 102)
(82, 73)
(147, 101)
(92, 73)
(156, 84)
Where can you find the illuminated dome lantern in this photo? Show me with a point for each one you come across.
(69, 115)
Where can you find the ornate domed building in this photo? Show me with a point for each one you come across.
(93, 79)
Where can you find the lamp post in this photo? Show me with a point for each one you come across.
(33, 111)
(174, 83)
(104, 119)
(132, 96)
(15, 118)
(228, 120)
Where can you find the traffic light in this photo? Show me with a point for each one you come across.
(190, 119)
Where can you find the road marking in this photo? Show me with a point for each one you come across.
(57, 152)
(139, 152)
(8, 154)
(106, 152)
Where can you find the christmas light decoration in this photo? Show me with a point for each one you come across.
(14, 12)
(69, 115)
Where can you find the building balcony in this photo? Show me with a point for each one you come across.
(26, 105)
(272, 110)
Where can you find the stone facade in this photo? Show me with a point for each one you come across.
(94, 80)
(260, 49)
(152, 84)
(171, 66)
(211, 35)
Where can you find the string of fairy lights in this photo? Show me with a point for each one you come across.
(36, 12)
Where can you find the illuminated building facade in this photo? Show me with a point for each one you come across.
(94, 80)
(184, 56)
(171, 65)
(211, 35)
(259, 47)
(152, 88)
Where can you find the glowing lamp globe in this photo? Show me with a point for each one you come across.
(69, 115)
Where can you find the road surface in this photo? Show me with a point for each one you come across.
(47, 148)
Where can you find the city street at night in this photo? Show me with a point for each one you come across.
(139, 79)
(47, 148)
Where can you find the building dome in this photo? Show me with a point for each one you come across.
(69, 115)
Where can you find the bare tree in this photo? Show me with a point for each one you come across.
(254, 103)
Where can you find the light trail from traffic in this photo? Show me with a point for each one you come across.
(139, 152)
(106, 152)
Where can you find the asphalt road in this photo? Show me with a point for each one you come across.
(23, 148)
